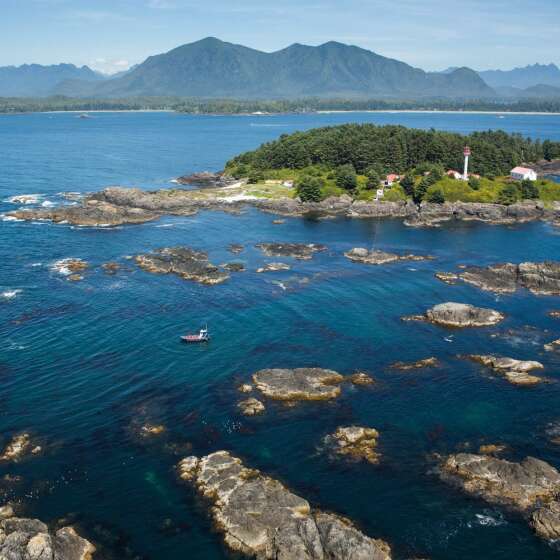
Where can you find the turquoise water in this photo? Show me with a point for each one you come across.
(83, 364)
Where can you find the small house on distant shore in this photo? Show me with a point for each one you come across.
(523, 173)
(391, 179)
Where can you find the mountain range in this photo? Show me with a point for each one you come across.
(211, 68)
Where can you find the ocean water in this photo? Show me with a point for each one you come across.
(83, 365)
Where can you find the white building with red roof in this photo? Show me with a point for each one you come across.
(523, 173)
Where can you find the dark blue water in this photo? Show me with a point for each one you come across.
(82, 365)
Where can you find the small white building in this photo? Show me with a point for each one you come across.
(288, 183)
(523, 173)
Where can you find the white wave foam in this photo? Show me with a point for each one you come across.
(10, 218)
(47, 204)
(165, 225)
(63, 266)
(489, 520)
(10, 294)
(24, 199)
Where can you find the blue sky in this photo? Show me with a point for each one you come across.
(432, 34)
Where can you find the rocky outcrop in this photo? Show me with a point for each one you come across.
(300, 384)
(542, 278)
(362, 255)
(206, 178)
(236, 248)
(30, 539)
(184, 262)
(259, 517)
(552, 346)
(273, 267)
(531, 487)
(354, 442)
(71, 268)
(111, 267)
(299, 251)
(459, 315)
(251, 407)
(361, 378)
(447, 277)
(419, 364)
(515, 371)
(90, 213)
(234, 267)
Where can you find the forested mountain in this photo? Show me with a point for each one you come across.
(396, 149)
(31, 80)
(211, 68)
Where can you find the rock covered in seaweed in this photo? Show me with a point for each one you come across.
(355, 442)
(18, 447)
(459, 315)
(361, 378)
(419, 364)
(259, 517)
(31, 539)
(301, 251)
(184, 262)
(362, 255)
(531, 487)
(515, 371)
(300, 384)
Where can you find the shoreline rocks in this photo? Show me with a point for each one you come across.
(458, 315)
(300, 251)
(531, 487)
(354, 442)
(117, 205)
(362, 255)
(184, 262)
(514, 371)
(31, 539)
(259, 517)
(300, 384)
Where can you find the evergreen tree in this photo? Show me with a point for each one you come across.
(421, 189)
(509, 194)
(407, 183)
(474, 183)
(529, 190)
(309, 189)
(436, 196)
(373, 179)
(346, 177)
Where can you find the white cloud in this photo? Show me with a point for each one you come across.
(109, 66)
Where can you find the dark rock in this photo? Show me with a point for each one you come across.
(300, 251)
(184, 262)
(259, 517)
(234, 267)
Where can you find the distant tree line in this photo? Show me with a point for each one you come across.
(382, 149)
(243, 106)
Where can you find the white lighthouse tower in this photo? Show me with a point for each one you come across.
(467, 153)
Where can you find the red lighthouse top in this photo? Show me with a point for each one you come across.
(467, 151)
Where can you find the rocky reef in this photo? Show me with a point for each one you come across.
(540, 278)
(531, 487)
(514, 371)
(259, 517)
(459, 315)
(301, 251)
(419, 364)
(552, 346)
(361, 378)
(18, 447)
(31, 539)
(184, 262)
(362, 255)
(354, 442)
(300, 384)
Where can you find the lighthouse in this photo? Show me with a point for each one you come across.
(466, 153)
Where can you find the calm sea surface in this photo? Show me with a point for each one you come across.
(83, 365)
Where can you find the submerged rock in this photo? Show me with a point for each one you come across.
(552, 431)
(234, 267)
(152, 430)
(552, 346)
(259, 517)
(355, 442)
(19, 446)
(236, 248)
(251, 407)
(491, 449)
(71, 268)
(300, 384)
(515, 371)
(111, 267)
(30, 539)
(531, 487)
(419, 364)
(245, 388)
(299, 251)
(539, 278)
(273, 267)
(362, 255)
(555, 314)
(459, 315)
(184, 262)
